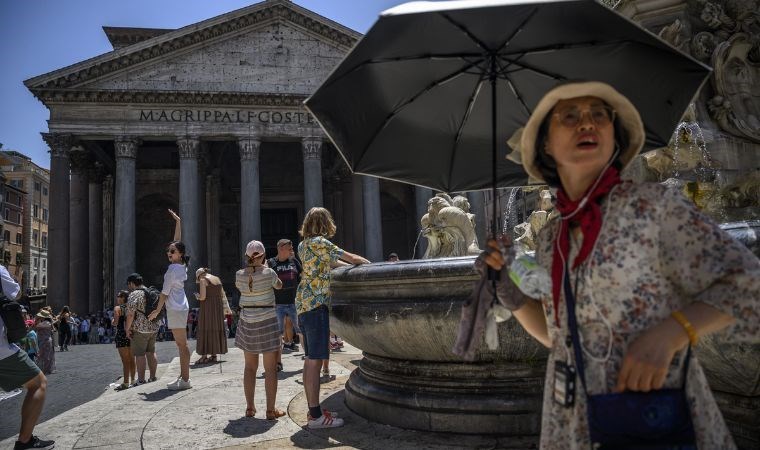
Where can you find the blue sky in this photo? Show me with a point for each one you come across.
(38, 36)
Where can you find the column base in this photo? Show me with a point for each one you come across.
(483, 398)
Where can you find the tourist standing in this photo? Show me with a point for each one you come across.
(64, 328)
(636, 271)
(257, 330)
(123, 343)
(318, 255)
(288, 270)
(173, 296)
(210, 336)
(140, 330)
(43, 324)
(17, 370)
(29, 342)
(84, 330)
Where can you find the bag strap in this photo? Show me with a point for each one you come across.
(572, 324)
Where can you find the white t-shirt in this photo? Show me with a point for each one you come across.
(10, 288)
(174, 287)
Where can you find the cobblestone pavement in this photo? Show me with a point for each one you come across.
(82, 374)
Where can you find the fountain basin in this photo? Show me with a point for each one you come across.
(405, 316)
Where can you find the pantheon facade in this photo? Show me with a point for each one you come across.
(207, 120)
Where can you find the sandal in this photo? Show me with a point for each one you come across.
(273, 414)
(212, 360)
(250, 412)
(121, 387)
(202, 360)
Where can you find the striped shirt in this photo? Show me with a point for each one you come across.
(256, 289)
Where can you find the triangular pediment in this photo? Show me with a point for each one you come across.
(275, 40)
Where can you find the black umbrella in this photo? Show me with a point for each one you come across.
(433, 91)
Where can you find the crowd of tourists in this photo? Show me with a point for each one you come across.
(628, 295)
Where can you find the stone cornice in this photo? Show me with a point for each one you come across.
(155, 48)
(49, 96)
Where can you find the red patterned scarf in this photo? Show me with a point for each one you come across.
(589, 217)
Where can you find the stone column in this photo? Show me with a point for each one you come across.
(58, 228)
(213, 245)
(312, 173)
(79, 239)
(125, 235)
(373, 225)
(250, 197)
(478, 207)
(95, 228)
(421, 197)
(109, 287)
(357, 213)
(189, 208)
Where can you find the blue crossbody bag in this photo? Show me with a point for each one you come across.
(655, 420)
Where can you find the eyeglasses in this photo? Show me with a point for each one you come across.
(600, 115)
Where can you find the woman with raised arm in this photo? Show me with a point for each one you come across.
(637, 274)
(177, 307)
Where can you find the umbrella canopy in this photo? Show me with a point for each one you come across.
(433, 91)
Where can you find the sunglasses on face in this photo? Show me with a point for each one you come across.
(171, 251)
(572, 116)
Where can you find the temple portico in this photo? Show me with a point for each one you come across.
(207, 120)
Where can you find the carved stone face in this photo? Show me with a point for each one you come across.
(703, 45)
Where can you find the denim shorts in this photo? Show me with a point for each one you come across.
(287, 310)
(315, 326)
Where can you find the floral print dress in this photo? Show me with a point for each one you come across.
(656, 253)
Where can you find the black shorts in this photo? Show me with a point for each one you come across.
(16, 370)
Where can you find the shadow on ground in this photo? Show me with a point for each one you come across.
(248, 426)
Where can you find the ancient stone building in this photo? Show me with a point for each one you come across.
(207, 120)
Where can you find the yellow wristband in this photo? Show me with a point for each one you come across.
(681, 319)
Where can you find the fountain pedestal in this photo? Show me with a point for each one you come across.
(404, 316)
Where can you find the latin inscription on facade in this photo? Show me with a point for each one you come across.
(225, 116)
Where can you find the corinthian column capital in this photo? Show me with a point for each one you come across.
(60, 144)
(249, 148)
(79, 159)
(312, 148)
(126, 147)
(188, 147)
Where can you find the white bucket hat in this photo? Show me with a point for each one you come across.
(625, 112)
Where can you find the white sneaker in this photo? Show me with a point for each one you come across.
(325, 421)
(179, 384)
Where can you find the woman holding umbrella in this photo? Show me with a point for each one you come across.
(638, 274)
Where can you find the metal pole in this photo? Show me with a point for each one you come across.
(494, 221)
(493, 274)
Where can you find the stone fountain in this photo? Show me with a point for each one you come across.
(404, 316)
